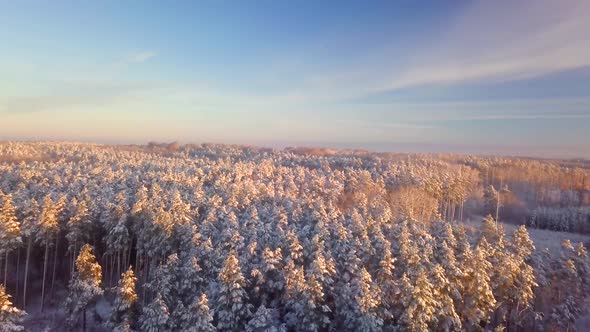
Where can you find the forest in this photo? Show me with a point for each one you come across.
(209, 237)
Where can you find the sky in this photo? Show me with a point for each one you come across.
(499, 77)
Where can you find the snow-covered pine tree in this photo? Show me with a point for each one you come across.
(48, 228)
(125, 326)
(388, 285)
(118, 239)
(521, 294)
(10, 234)
(156, 316)
(444, 292)
(419, 303)
(301, 311)
(478, 300)
(295, 249)
(10, 316)
(190, 280)
(84, 287)
(29, 229)
(78, 228)
(232, 308)
(197, 317)
(164, 281)
(364, 316)
(125, 309)
(269, 279)
(265, 320)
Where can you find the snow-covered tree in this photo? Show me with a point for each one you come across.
(47, 230)
(197, 317)
(156, 316)
(125, 307)
(419, 303)
(78, 228)
(302, 301)
(233, 310)
(265, 320)
(29, 229)
(84, 287)
(10, 234)
(10, 316)
(478, 299)
(364, 314)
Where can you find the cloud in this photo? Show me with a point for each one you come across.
(502, 41)
(139, 57)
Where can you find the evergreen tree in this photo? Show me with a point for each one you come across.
(478, 299)
(48, 228)
(79, 227)
(389, 288)
(304, 311)
(10, 234)
(198, 317)
(418, 302)
(125, 307)
(363, 316)
(265, 320)
(84, 287)
(156, 316)
(10, 316)
(232, 308)
(29, 230)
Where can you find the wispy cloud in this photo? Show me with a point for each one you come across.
(139, 57)
(504, 40)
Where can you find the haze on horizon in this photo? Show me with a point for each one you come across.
(498, 77)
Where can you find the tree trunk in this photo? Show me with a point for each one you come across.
(73, 262)
(17, 271)
(84, 320)
(44, 275)
(146, 278)
(497, 208)
(129, 257)
(112, 269)
(54, 264)
(118, 265)
(27, 260)
(6, 269)
(137, 260)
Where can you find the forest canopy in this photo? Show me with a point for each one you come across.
(237, 238)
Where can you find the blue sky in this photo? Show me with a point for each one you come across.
(466, 76)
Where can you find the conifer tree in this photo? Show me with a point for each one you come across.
(418, 302)
(232, 308)
(125, 307)
(48, 228)
(10, 316)
(156, 316)
(29, 230)
(303, 313)
(10, 233)
(265, 320)
(478, 300)
(388, 284)
(366, 294)
(198, 317)
(84, 287)
(79, 227)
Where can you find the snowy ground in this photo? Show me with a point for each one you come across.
(53, 317)
(542, 238)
